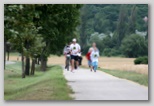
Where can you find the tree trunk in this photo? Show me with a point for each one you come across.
(33, 67)
(23, 71)
(4, 52)
(27, 66)
(8, 51)
(43, 64)
(36, 60)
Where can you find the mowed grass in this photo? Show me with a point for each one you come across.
(49, 85)
(133, 76)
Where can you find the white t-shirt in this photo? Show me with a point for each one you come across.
(75, 48)
(94, 55)
(66, 49)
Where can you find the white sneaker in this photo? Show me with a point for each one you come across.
(72, 71)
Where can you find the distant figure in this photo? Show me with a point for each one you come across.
(94, 57)
(88, 58)
(67, 54)
(75, 49)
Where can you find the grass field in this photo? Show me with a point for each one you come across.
(49, 85)
(133, 76)
(112, 63)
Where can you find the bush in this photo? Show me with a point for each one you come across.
(141, 60)
(114, 52)
(134, 46)
(107, 52)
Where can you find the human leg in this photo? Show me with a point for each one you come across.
(72, 62)
(76, 62)
(67, 63)
(95, 66)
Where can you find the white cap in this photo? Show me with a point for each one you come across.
(74, 40)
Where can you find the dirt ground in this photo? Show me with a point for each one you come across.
(114, 63)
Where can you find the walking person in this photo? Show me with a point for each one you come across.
(94, 57)
(75, 49)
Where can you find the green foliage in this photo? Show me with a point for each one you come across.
(134, 46)
(107, 52)
(114, 21)
(115, 52)
(141, 60)
(40, 29)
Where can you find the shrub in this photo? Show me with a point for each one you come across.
(114, 52)
(107, 52)
(141, 60)
(134, 46)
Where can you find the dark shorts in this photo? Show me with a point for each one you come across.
(74, 57)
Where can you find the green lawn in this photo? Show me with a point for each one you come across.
(133, 76)
(49, 85)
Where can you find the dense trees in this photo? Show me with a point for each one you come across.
(36, 31)
(134, 46)
(108, 25)
(39, 30)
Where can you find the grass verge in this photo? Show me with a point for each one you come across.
(133, 76)
(49, 85)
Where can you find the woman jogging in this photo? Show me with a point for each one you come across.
(94, 57)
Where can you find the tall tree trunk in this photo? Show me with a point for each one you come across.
(8, 51)
(23, 71)
(27, 66)
(38, 61)
(43, 64)
(4, 52)
(33, 67)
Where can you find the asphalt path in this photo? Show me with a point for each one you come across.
(89, 85)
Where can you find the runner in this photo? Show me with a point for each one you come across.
(67, 54)
(89, 59)
(75, 49)
(94, 57)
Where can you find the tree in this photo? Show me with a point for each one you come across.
(122, 24)
(58, 23)
(134, 46)
(132, 21)
(21, 28)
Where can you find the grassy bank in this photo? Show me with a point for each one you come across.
(49, 85)
(133, 76)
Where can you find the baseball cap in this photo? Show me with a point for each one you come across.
(74, 40)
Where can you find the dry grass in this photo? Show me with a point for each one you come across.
(114, 63)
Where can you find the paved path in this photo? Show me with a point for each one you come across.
(10, 62)
(101, 86)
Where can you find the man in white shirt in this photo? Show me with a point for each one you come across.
(75, 49)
